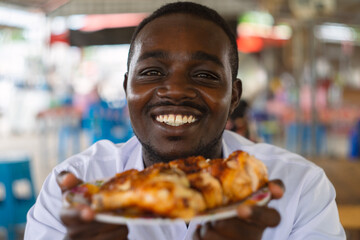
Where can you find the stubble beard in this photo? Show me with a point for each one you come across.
(152, 156)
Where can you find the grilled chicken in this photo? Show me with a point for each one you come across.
(159, 189)
(184, 187)
(240, 175)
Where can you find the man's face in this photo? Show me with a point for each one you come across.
(179, 87)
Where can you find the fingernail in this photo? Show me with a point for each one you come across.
(244, 211)
(60, 177)
(87, 214)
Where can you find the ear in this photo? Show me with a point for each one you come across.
(125, 82)
(235, 94)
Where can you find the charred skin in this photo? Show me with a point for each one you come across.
(183, 188)
(160, 189)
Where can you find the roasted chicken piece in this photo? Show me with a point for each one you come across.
(184, 187)
(240, 175)
(209, 187)
(191, 164)
(222, 181)
(200, 179)
(159, 189)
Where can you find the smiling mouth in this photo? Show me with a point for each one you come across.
(176, 119)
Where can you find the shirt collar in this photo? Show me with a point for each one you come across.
(134, 160)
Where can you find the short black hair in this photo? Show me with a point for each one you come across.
(197, 10)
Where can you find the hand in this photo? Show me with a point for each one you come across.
(248, 225)
(80, 221)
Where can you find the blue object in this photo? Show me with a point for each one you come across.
(354, 149)
(300, 134)
(69, 140)
(266, 125)
(104, 121)
(17, 193)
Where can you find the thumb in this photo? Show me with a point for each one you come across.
(67, 180)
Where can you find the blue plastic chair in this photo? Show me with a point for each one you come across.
(301, 134)
(14, 204)
(354, 142)
(69, 140)
(104, 121)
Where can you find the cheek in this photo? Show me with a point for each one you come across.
(220, 102)
(137, 98)
(224, 110)
(219, 107)
(138, 95)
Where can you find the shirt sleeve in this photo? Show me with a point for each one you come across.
(43, 221)
(317, 215)
(99, 161)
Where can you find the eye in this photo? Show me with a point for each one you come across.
(206, 75)
(151, 72)
(206, 78)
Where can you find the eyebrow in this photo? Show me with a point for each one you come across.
(198, 55)
(153, 54)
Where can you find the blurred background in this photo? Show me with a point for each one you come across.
(62, 64)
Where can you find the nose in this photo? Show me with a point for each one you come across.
(177, 88)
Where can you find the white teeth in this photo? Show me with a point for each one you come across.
(178, 119)
(190, 119)
(175, 120)
(171, 118)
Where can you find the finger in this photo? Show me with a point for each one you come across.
(276, 188)
(86, 213)
(207, 232)
(263, 216)
(70, 216)
(120, 233)
(77, 215)
(97, 230)
(67, 180)
(197, 233)
(244, 211)
(83, 230)
(232, 228)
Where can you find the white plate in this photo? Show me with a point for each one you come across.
(259, 198)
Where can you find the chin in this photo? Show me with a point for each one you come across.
(174, 156)
(155, 155)
(160, 156)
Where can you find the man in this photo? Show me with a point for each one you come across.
(182, 67)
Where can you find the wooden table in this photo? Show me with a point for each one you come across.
(345, 176)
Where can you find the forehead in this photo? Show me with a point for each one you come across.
(183, 32)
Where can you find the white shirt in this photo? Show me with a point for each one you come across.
(308, 209)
